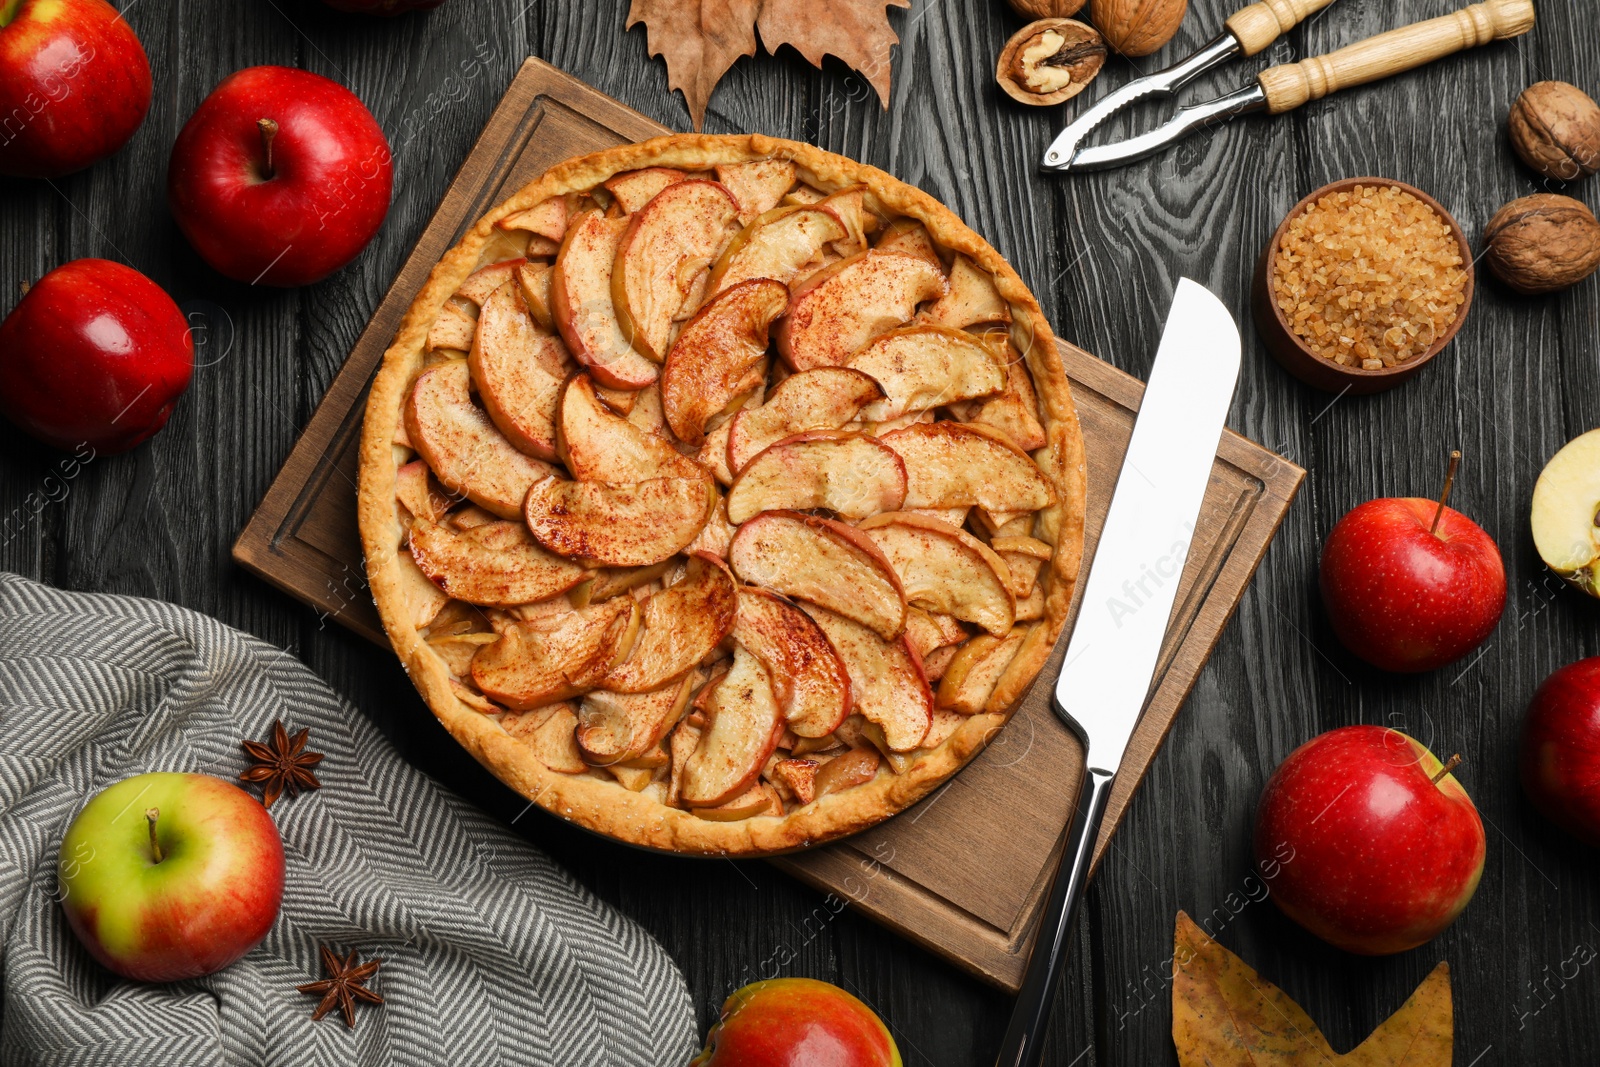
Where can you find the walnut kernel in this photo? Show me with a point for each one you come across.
(1555, 128)
(1542, 243)
(1049, 61)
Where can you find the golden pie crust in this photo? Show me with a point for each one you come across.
(591, 799)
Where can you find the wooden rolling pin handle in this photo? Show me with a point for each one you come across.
(1261, 23)
(1293, 84)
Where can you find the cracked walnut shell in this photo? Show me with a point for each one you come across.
(1049, 61)
(1555, 128)
(1542, 243)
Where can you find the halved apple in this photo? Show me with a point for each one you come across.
(453, 329)
(924, 367)
(614, 727)
(668, 242)
(743, 724)
(929, 631)
(631, 525)
(636, 188)
(821, 399)
(418, 493)
(836, 311)
(721, 353)
(534, 281)
(945, 569)
(1013, 413)
(757, 186)
(886, 679)
(548, 219)
(482, 283)
(557, 657)
(782, 244)
(808, 677)
(909, 237)
(683, 624)
(972, 300)
(581, 305)
(970, 678)
(821, 561)
(548, 732)
(495, 565)
(1025, 557)
(467, 453)
(519, 370)
(852, 475)
(1566, 513)
(600, 446)
(953, 464)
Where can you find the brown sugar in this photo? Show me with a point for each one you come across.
(1369, 277)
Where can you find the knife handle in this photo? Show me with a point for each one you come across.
(1293, 84)
(1262, 23)
(1024, 1041)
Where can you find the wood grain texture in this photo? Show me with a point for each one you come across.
(1103, 252)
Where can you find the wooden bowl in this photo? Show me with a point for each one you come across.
(1319, 371)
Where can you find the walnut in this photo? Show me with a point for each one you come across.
(1137, 27)
(1555, 128)
(1049, 61)
(1046, 9)
(1542, 243)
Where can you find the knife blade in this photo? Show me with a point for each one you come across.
(1126, 605)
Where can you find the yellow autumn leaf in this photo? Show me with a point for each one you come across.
(1226, 1015)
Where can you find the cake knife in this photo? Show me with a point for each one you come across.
(1133, 582)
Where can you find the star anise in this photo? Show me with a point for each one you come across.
(281, 763)
(343, 986)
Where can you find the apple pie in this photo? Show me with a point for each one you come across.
(721, 494)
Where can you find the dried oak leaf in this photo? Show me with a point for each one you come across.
(1226, 1015)
(701, 39)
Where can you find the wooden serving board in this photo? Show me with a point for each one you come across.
(963, 872)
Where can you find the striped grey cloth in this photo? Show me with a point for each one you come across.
(492, 954)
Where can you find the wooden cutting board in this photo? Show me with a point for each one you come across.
(963, 872)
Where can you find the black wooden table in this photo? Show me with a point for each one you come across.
(1103, 253)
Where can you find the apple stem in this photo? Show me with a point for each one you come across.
(269, 130)
(1449, 765)
(1449, 482)
(151, 815)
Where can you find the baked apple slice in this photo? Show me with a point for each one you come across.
(534, 281)
(548, 733)
(760, 799)
(1025, 557)
(631, 525)
(973, 673)
(421, 595)
(668, 242)
(859, 218)
(519, 370)
(743, 725)
(548, 219)
(821, 561)
(467, 453)
(419, 493)
(953, 464)
(808, 677)
(1013, 413)
(782, 244)
(946, 570)
(836, 311)
(682, 625)
(633, 189)
(601, 446)
(482, 283)
(886, 679)
(558, 656)
(581, 305)
(720, 354)
(452, 331)
(496, 565)
(972, 299)
(929, 631)
(821, 399)
(615, 727)
(757, 186)
(924, 367)
(850, 474)
(909, 238)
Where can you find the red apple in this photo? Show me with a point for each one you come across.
(1410, 584)
(1561, 749)
(797, 1022)
(74, 85)
(96, 354)
(1368, 841)
(381, 7)
(171, 876)
(280, 177)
